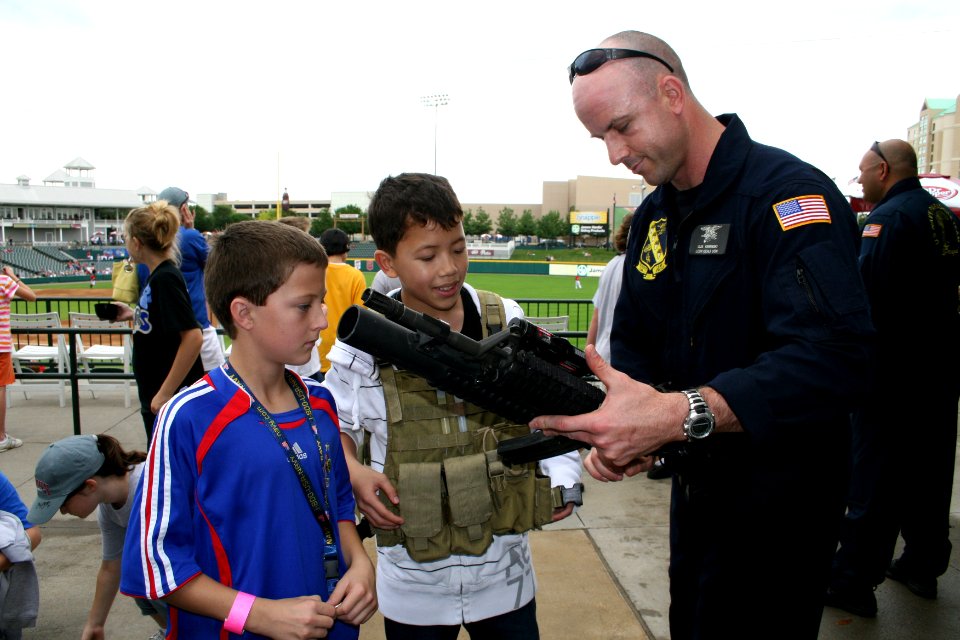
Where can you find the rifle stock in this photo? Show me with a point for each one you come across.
(519, 373)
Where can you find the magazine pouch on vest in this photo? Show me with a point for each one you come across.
(455, 493)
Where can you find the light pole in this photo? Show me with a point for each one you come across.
(436, 101)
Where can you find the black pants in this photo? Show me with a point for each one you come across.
(148, 418)
(520, 624)
(902, 478)
(752, 535)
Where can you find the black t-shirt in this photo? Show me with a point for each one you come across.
(163, 311)
(471, 316)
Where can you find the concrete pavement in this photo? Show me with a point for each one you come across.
(602, 573)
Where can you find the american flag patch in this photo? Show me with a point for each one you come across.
(872, 230)
(801, 210)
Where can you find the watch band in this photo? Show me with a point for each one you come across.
(700, 421)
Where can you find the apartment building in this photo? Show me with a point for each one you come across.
(936, 137)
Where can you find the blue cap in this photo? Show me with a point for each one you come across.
(62, 468)
(175, 196)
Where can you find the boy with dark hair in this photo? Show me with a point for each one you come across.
(442, 563)
(345, 285)
(246, 513)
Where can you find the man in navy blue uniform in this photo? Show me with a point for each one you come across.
(910, 263)
(740, 343)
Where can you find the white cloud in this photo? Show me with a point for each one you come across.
(209, 95)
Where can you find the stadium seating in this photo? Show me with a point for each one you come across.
(361, 250)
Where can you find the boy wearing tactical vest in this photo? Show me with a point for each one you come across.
(442, 563)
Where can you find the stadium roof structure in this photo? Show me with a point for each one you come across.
(53, 196)
(57, 176)
(79, 163)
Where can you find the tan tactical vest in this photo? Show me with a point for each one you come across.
(455, 494)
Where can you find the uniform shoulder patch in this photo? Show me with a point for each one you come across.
(801, 210)
(871, 230)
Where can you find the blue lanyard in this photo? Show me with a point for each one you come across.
(321, 513)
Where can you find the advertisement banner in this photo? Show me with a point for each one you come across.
(588, 217)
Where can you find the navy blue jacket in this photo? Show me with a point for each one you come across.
(910, 263)
(756, 293)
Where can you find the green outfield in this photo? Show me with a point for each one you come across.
(523, 287)
(516, 286)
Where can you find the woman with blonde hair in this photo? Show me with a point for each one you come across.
(166, 335)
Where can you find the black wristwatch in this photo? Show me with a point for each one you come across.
(700, 422)
(573, 494)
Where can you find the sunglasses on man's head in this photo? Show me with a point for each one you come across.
(876, 149)
(592, 59)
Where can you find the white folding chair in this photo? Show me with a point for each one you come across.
(550, 323)
(38, 351)
(101, 351)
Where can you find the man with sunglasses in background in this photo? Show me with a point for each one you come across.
(910, 263)
(740, 343)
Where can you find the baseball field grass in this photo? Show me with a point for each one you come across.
(516, 286)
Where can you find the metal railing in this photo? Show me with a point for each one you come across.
(579, 313)
(73, 373)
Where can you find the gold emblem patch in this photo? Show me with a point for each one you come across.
(653, 256)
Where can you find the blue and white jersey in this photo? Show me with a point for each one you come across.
(219, 497)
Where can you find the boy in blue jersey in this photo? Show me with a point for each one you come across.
(246, 513)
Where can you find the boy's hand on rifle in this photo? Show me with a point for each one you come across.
(562, 512)
(367, 484)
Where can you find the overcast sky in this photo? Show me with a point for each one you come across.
(248, 98)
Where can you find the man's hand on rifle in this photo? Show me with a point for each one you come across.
(634, 420)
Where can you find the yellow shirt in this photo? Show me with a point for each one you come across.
(345, 285)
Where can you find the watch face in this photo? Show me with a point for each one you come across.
(700, 427)
(700, 422)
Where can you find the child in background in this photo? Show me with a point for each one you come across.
(19, 585)
(384, 283)
(166, 335)
(436, 572)
(76, 475)
(345, 285)
(11, 503)
(10, 286)
(246, 511)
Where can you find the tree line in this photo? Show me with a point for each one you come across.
(508, 224)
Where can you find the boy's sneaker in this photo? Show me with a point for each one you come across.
(923, 587)
(860, 601)
(10, 443)
(158, 635)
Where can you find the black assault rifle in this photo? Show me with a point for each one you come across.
(519, 372)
